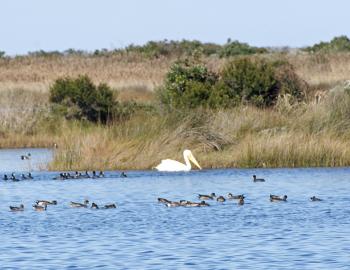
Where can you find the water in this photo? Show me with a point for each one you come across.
(142, 234)
(10, 159)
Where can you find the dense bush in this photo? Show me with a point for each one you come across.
(233, 48)
(187, 85)
(260, 82)
(244, 80)
(79, 98)
(337, 44)
(173, 48)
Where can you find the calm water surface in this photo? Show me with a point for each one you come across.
(142, 234)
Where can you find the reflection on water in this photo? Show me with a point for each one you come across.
(10, 159)
(143, 234)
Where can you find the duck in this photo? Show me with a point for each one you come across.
(190, 204)
(241, 201)
(5, 177)
(23, 177)
(23, 157)
(109, 206)
(220, 199)
(162, 200)
(94, 174)
(258, 179)
(123, 175)
(45, 202)
(94, 206)
(79, 205)
(230, 196)
(13, 177)
(101, 174)
(30, 176)
(315, 199)
(87, 175)
(203, 204)
(172, 204)
(184, 202)
(39, 207)
(204, 197)
(274, 198)
(17, 208)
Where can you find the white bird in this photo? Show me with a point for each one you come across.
(169, 165)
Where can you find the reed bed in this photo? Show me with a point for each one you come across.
(300, 135)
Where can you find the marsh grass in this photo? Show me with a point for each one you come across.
(290, 135)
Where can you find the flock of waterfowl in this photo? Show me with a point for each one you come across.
(41, 205)
(61, 176)
(240, 198)
(165, 165)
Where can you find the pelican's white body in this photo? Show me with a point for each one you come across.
(169, 165)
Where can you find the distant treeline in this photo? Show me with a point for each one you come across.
(171, 48)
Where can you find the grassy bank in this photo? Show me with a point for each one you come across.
(305, 134)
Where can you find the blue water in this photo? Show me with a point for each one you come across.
(10, 159)
(143, 234)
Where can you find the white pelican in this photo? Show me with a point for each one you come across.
(169, 165)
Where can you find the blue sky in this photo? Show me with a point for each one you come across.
(29, 25)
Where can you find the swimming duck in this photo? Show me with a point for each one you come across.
(123, 175)
(13, 177)
(220, 199)
(203, 204)
(94, 174)
(109, 206)
(274, 198)
(23, 177)
(241, 201)
(94, 206)
(315, 199)
(17, 208)
(101, 174)
(30, 176)
(258, 179)
(230, 196)
(78, 205)
(5, 177)
(86, 175)
(23, 157)
(45, 202)
(39, 207)
(204, 197)
(162, 200)
(172, 204)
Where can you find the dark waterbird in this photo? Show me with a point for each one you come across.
(258, 179)
(13, 177)
(162, 200)
(220, 199)
(45, 202)
(230, 196)
(79, 205)
(123, 175)
(276, 198)
(94, 206)
(5, 177)
(315, 199)
(204, 197)
(17, 208)
(110, 206)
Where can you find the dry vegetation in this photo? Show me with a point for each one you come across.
(303, 135)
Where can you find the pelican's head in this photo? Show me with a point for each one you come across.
(189, 155)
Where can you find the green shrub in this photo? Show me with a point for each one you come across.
(187, 85)
(260, 82)
(233, 48)
(337, 44)
(79, 98)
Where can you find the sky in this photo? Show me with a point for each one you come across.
(31, 25)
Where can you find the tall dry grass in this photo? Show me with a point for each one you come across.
(133, 71)
(305, 134)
